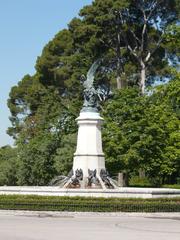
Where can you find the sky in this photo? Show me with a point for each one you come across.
(26, 26)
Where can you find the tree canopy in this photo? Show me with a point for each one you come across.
(138, 42)
(142, 132)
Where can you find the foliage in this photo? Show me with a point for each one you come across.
(174, 186)
(142, 132)
(64, 154)
(172, 42)
(129, 35)
(139, 131)
(136, 181)
(122, 117)
(36, 160)
(84, 204)
(8, 166)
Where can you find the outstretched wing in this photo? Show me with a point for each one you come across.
(90, 74)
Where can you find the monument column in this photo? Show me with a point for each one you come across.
(89, 154)
(89, 164)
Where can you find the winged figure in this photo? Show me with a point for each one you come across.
(90, 93)
(91, 73)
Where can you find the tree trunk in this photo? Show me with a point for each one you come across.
(143, 77)
(119, 82)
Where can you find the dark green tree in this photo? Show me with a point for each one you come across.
(8, 165)
(130, 34)
(36, 160)
(64, 154)
(43, 107)
(141, 132)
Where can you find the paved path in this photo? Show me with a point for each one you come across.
(17, 225)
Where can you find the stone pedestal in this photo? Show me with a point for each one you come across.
(89, 153)
(89, 170)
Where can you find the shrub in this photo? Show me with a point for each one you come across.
(84, 204)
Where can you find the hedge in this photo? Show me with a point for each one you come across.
(84, 204)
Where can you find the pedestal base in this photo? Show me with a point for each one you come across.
(88, 170)
(89, 162)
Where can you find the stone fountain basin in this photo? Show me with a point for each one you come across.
(123, 192)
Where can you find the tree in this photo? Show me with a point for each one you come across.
(130, 33)
(124, 124)
(98, 34)
(43, 106)
(147, 22)
(23, 102)
(64, 154)
(142, 132)
(36, 160)
(172, 43)
(8, 165)
(112, 29)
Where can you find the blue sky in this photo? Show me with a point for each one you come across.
(25, 27)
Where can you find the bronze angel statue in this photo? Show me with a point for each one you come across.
(93, 95)
(90, 93)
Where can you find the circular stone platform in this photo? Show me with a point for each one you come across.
(125, 192)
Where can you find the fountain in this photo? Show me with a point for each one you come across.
(89, 163)
(89, 177)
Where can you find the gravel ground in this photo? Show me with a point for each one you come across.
(87, 214)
